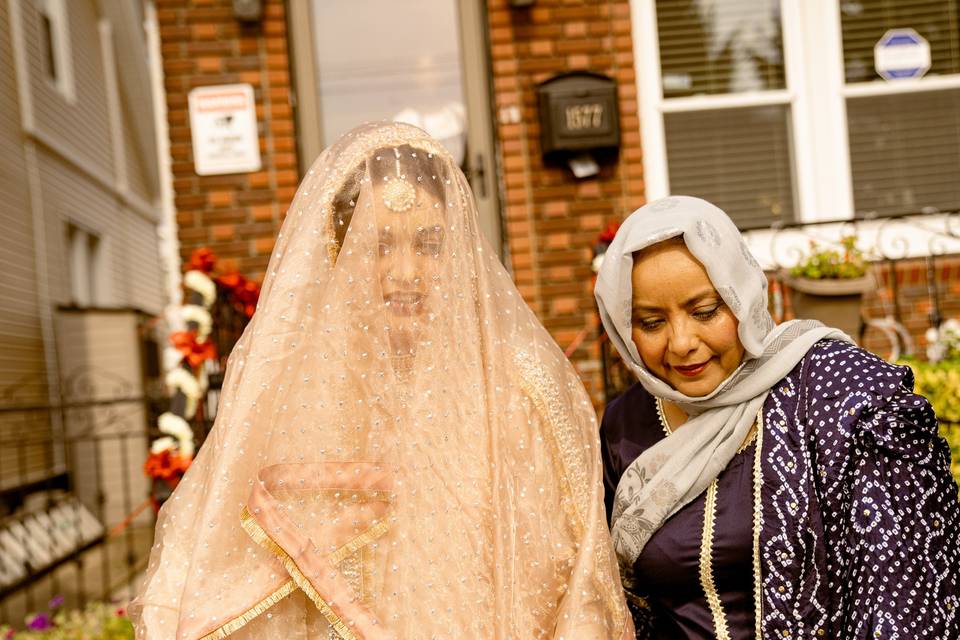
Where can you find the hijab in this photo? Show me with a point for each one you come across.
(673, 472)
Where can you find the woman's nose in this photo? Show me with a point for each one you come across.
(683, 338)
(405, 268)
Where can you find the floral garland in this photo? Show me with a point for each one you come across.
(186, 365)
(602, 244)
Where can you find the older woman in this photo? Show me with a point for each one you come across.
(763, 481)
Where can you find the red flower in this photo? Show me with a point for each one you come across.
(231, 280)
(243, 292)
(202, 259)
(608, 233)
(167, 466)
(195, 352)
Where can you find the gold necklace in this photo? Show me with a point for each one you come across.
(668, 430)
(663, 417)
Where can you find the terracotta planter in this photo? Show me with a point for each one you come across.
(834, 302)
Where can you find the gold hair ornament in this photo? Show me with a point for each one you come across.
(398, 194)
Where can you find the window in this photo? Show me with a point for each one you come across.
(905, 152)
(726, 114)
(55, 42)
(774, 109)
(83, 250)
(738, 158)
(904, 136)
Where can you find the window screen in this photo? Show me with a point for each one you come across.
(720, 46)
(739, 159)
(905, 152)
(864, 22)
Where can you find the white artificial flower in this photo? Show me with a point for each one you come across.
(201, 283)
(187, 448)
(173, 425)
(196, 313)
(172, 357)
(932, 335)
(936, 352)
(951, 325)
(182, 380)
(162, 444)
(598, 262)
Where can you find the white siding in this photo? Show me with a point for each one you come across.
(56, 167)
(82, 127)
(21, 342)
(128, 243)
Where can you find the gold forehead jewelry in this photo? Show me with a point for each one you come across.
(398, 195)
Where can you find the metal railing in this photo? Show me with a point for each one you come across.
(75, 517)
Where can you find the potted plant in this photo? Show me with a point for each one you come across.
(828, 285)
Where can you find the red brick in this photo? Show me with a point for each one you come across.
(259, 180)
(565, 305)
(263, 245)
(205, 31)
(220, 198)
(263, 212)
(575, 29)
(541, 48)
(223, 231)
(209, 64)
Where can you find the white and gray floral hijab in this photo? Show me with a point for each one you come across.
(672, 473)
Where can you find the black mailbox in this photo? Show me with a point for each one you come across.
(578, 113)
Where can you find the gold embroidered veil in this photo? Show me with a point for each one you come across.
(401, 450)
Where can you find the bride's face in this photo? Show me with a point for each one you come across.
(410, 245)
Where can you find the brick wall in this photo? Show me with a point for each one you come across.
(912, 288)
(552, 218)
(202, 44)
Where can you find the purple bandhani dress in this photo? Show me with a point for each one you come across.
(843, 512)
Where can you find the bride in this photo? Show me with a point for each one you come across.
(401, 449)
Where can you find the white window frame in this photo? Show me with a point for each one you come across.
(816, 94)
(56, 12)
(85, 265)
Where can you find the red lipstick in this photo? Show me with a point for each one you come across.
(692, 370)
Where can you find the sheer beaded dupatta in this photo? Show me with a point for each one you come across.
(401, 449)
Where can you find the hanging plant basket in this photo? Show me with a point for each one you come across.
(835, 302)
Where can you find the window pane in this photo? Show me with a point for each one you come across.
(405, 67)
(719, 46)
(905, 152)
(739, 159)
(48, 49)
(865, 21)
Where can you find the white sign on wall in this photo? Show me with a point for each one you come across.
(223, 126)
(901, 54)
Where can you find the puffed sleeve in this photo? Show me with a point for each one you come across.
(901, 539)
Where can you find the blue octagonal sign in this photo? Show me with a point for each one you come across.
(901, 54)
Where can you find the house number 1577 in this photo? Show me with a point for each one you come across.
(584, 116)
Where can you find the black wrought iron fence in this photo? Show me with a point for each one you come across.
(75, 518)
